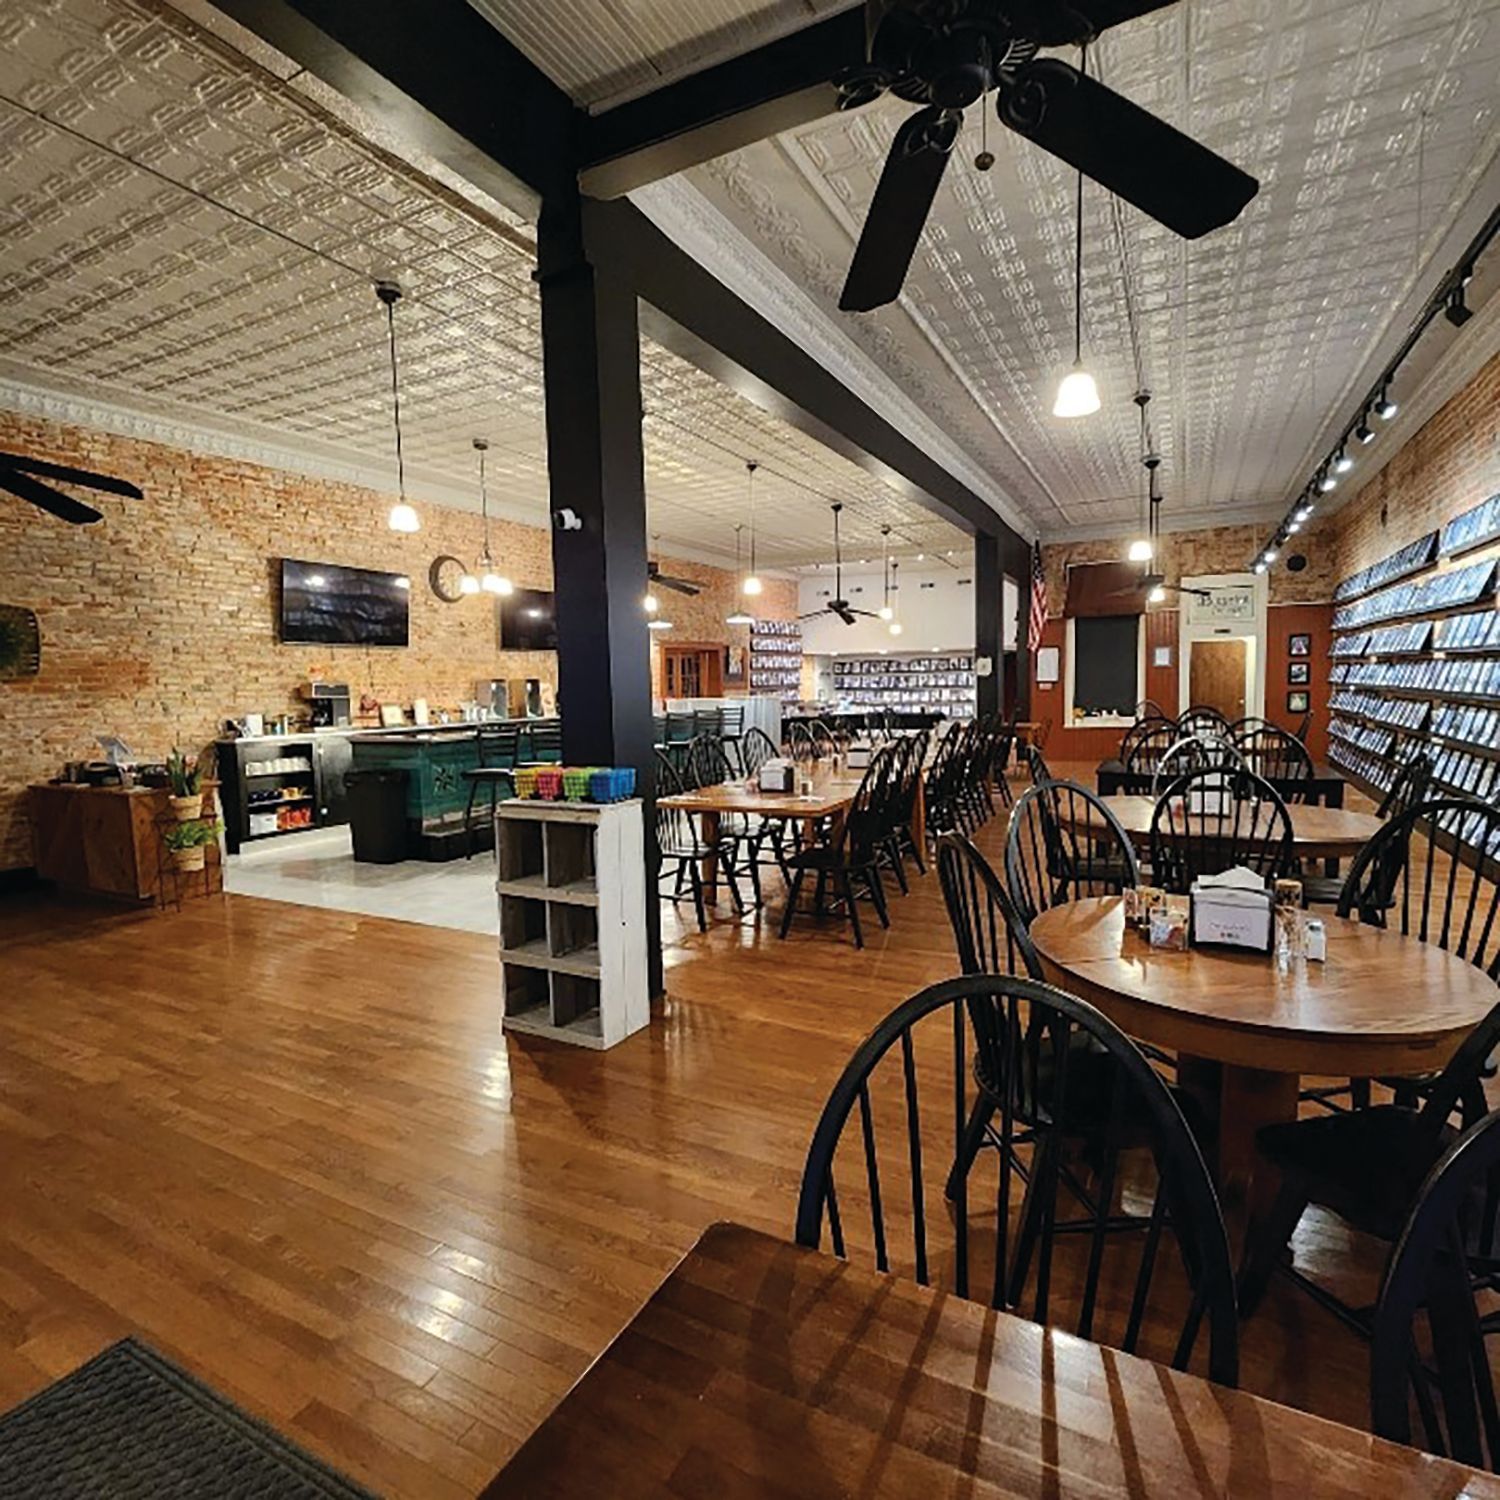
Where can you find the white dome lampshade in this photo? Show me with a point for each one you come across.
(1077, 395)
(1141, 550)
(404, 517)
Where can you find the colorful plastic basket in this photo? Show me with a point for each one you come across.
(612, 784)
(576, 781)
(525, 777)
(549, 783)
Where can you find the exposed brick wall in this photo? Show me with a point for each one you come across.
(1448, 466)
(699, 619)
(158, 622)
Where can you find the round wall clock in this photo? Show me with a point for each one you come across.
(444, 576)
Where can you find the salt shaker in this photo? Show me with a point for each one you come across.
(1315, 940)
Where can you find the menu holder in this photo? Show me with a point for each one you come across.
(1231, 917)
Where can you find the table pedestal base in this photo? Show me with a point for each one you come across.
(1241, 1101)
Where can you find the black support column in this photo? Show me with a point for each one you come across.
(596, 471)
(989, 622)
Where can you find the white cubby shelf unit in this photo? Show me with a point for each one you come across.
(571, 878)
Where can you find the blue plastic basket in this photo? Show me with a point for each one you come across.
(613, 784)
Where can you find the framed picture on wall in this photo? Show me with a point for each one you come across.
(734, 665)
(1299, 673)
(1296, 703)
(1300, 645)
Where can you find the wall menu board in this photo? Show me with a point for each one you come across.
(1430, 684)
(776, 659)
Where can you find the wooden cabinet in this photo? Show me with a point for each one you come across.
(101, 839)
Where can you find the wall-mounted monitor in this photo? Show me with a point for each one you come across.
(323, 604)
(528, 621)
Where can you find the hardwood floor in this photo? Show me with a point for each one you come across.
(290, 1148)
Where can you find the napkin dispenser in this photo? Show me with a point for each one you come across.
(777, 775)
(1233, 910)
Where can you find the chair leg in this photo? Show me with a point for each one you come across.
(893, 851)
(1267, 1243)
(980, 1115)
(877, 893)
(469, 820)
(793, 891)
(726, 863)
(847, 886)
(696, 877)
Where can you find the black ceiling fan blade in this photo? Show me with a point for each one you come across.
(1051, 25)
(677, 585)
(105, 483)
(64, 507)
(898, 211)
(1125, 148)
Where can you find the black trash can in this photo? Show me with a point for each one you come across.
(377, 815)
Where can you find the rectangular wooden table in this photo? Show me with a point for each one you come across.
(761, 1369)
(1326, 788)
(832, 792)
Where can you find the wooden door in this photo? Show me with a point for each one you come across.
(693, 671)
(1216, 676)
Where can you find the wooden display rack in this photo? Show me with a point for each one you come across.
(571, 878)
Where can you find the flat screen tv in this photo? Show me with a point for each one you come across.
(528, 621)
(326, 605)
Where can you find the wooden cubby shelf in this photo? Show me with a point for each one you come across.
(571, 880)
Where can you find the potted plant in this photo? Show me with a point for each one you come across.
(187, 796)
(187, 842)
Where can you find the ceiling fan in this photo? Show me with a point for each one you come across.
(654, 575)
(838, 605)
(948, 54)
(1151, 580)
(22, 476)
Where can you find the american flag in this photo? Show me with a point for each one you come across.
(1037, 621)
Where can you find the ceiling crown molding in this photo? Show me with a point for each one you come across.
(682, 212)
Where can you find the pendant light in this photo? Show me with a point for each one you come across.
(894, 592)
(750, 585)
(1143, 549)
(885, 611)
(403, 516)
(489, 580)
(739, 615)
(1077, 395)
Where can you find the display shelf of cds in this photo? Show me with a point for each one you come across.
(924, 682)
(776, 659)
(1415, 660)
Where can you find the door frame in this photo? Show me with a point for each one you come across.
(1195, 624)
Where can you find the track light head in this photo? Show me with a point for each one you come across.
(1457, 310)
(1364, 433)
(1327, 482)
(1385, 408)
(1342, 463)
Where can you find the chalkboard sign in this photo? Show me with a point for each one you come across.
(1106, 656)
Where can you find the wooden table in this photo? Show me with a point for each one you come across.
(763, 1370)
(832, 792)
(1245, 1032)
(1325, 788)
(1317, 832)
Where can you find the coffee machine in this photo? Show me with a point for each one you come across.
(328, 704)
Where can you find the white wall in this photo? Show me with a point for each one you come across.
(936, 609)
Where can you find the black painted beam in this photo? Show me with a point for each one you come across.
(596, 472)
(989, 620)
(775, 87)
(693, 313)
(441, 75)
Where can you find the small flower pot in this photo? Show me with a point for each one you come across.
(188, 859)
(185, 809)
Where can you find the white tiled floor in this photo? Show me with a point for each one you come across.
(317, 868)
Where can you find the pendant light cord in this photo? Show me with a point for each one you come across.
(390, 316)
(1083, 68)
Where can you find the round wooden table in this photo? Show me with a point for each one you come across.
(1317, 832)
(1245, 1032)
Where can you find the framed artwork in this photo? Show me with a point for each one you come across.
(1296, 703)
(1300, 645)
(1299, 673)
(734, 665)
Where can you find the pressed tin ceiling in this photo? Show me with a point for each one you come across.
(1372, 128)
(254, 314)
(1371, 124)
